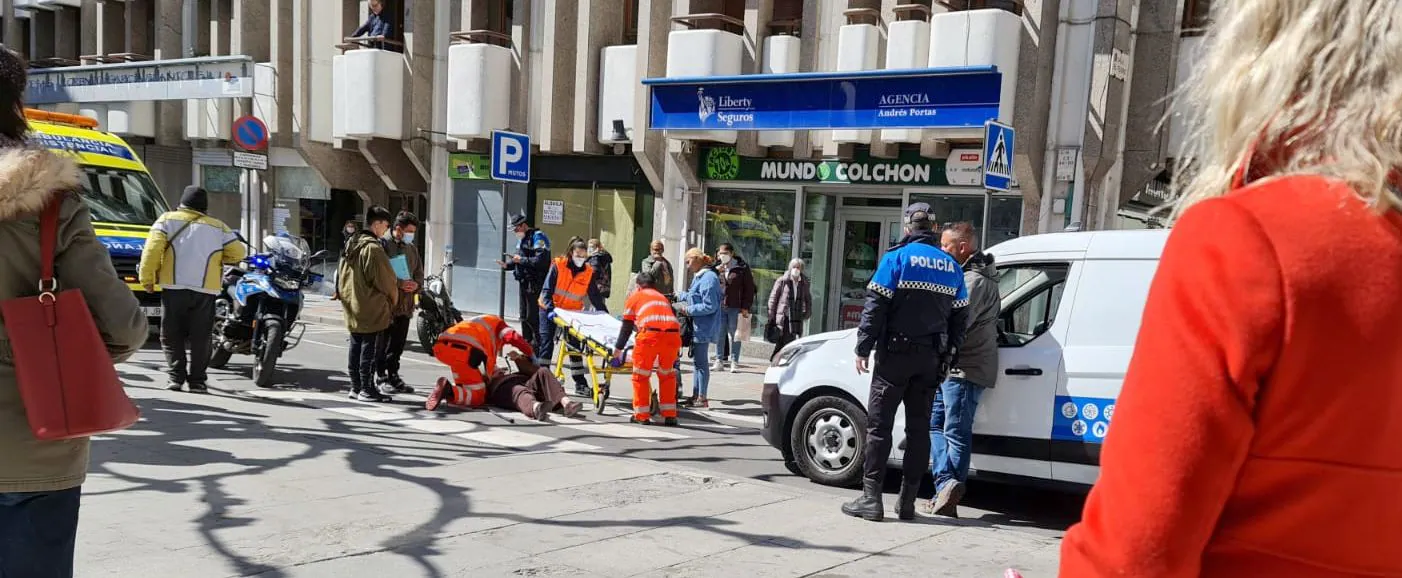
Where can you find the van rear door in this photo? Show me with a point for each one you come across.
(1014, 419)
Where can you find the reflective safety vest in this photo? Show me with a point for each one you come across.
(650, 311)
(571, 289)
(485, 333)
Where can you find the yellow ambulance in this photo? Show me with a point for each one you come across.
(118, 189)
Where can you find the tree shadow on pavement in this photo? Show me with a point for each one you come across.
(177, 428)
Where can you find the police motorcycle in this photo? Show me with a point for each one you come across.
(436, 310)
(256, 311)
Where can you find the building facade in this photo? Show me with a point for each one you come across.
(405, 119)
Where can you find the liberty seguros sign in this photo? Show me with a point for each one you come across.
(921, 98)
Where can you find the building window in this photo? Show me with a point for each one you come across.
(630, 22)
(1004, 215)
(759, 224)
(1195, 16)
(499, 13)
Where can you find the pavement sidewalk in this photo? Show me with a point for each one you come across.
(237, 486)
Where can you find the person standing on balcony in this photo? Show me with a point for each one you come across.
(184, 254)
(377, 24)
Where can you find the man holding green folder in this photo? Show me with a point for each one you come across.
(409, 269)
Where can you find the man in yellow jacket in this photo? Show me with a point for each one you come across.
(185, 253)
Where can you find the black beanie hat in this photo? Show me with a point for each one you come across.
(195, 197)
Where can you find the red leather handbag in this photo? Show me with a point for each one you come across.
(77, 394)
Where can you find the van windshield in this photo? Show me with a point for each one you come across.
(121, 196)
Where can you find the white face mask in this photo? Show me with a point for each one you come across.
(579, 261)
(725, 258)
(350, 230)
(520, 234)
(796, 273)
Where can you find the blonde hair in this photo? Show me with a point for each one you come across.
(697, 253)
(1312, 84)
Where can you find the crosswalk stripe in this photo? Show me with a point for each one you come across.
(510, 438)
(618, 430)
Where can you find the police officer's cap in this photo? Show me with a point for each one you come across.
(918, 213)
(518, 220)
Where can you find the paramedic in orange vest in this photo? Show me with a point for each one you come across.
(568, 285)
(470, 349)
(655, 351)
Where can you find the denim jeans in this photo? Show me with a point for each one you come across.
(37, 533)
(730, 347)
(700, 357)
(952, 429)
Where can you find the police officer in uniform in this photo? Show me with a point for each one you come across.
(529, 264)
(915, 318)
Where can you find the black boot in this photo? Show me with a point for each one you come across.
(905, 503)
(867, 507)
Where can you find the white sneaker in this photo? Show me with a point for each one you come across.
(717, 365)
(734, 367)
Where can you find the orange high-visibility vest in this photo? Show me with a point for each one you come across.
(571, 289)
(650, 311)
(485, 333)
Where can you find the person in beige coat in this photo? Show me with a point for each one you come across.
(40, 480)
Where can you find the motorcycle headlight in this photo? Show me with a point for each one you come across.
(287, 283)
(791, 353)
(435, 286)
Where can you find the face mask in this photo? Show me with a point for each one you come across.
(409, 238)
(725, 258)
(594, 251)
(579, 261)
(350, 230)
(520, 234)
(796, 273)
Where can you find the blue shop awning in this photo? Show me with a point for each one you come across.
(962, 97)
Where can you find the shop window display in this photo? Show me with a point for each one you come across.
(760, 225)
(604, 213)
(1004, 215)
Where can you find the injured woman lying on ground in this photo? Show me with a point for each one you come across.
(530, 389)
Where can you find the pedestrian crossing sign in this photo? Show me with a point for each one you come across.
(998, 140)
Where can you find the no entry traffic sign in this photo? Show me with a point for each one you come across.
(250, 134)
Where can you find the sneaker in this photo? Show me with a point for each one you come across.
(540, 411)
(386, 389)
(583, 391)
(198, 388)
(570, 408)
(399, 385)
(373, 396)
(734, 367)
(439, 394)
(702, 402)
(670, 422)
(354, 394)
(717, 365)
(637, 420)
(946, 502)
(173, 386)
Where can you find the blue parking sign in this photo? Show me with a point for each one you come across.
(998, 140)
(511, 157)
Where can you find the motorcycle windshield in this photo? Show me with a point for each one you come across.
(287, 251)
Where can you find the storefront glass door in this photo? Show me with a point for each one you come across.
(862, 239)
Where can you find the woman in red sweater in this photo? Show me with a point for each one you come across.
(1259, 432)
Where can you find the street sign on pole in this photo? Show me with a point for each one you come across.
(998, 141)
(511, 157)
(249, 133)
(251, 161)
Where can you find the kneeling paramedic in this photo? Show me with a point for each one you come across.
(915, 319)
(470, 349)
(658, 345)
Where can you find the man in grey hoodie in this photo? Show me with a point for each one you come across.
(975, 369)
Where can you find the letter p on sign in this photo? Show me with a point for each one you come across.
(511, 157)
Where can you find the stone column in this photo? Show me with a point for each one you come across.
(88, 27)
(600, 24)
(168, 44)
(66, 31)
(138, 26)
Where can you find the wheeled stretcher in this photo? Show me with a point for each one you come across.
(594, 334)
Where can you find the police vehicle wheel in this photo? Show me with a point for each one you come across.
(265, 364)
(828, 439)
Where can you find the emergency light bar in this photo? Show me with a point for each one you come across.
(76, 120)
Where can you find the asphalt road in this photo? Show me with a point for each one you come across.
(724, 439)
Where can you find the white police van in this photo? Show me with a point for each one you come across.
(1072, 304)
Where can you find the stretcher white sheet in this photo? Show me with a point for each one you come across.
(597, 326)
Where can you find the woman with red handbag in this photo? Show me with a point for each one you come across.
(71, 300)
